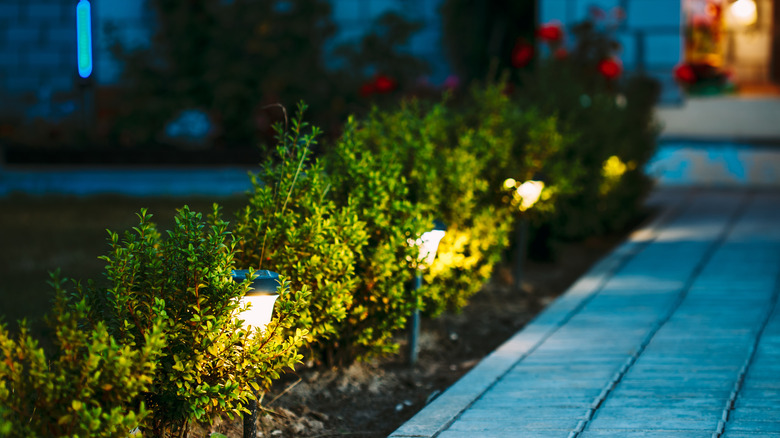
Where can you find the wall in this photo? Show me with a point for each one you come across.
(354, 18)
(37, 57)
(38, 46)
(649, 35)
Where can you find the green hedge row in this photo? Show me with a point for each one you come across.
(161, 347)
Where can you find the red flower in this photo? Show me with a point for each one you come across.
(596, 12)
(610, 68)
(367, 89)
(380, 85)
(561, 53)
(551, 33)
(618, 13)
(384, 84)
(522, 54)
(452, 82)
(685, 74)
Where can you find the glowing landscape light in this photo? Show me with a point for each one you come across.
(260, 297)
(529, 192)
(743, 12)
(84, 37)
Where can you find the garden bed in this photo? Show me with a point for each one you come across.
(365, 400)
(373, 399)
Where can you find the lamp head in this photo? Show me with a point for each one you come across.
(743, 13)
(428, 243)
(529, 193)
(261, 296)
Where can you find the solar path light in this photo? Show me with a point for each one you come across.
(261, 297)
(428, 244)
(524, 195)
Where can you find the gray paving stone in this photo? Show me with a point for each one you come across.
(760, 393)
(525, 403)
(648, 421)
(617, 401)
(513, 424)
(552, 382)
(738, 434)
(754, 383)
(743, 402)
(562, 393)
(755, 414)
(678, 383)
(551, 412)
(646, 413)
(622, 433)
(753, 426)
(671, 392)
(502, 434)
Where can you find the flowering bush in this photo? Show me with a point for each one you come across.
(522, 53)
(610, 68)
(702, 78)
(609, 116)
(550, 33)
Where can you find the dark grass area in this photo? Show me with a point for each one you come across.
(41, 234)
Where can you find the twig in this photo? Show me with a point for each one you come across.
(286, 390)
(284, 110)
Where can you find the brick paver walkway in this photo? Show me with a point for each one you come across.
(675, 334)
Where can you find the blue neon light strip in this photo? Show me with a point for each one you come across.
(84, 37)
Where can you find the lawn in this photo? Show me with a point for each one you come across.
(42, 234)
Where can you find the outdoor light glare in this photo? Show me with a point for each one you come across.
(429, 244)
(743, 12)
(260, 311)
(84, 37)
(261, 297)
(529, 192)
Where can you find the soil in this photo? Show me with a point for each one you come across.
(373, 399)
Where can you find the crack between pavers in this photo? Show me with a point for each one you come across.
(607, 390)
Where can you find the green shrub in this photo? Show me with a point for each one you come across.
(212, 364)
(292, 227)
(456, 157)
(373, 184)
(87, 386)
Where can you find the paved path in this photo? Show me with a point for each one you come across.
(675, 334)
(735, 117)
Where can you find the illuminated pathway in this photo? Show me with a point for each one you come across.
(674, 334)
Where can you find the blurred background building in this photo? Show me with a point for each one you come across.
(38, 54)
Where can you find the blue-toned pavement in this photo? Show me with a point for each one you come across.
(675, 334)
